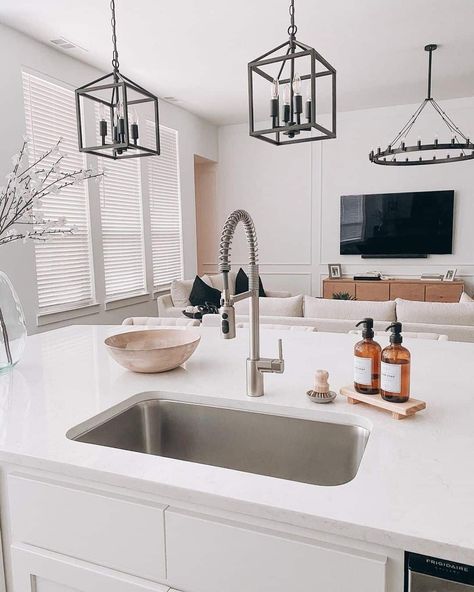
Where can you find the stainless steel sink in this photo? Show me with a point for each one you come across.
(316, 452)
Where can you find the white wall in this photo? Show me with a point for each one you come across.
(293, 193)
(195, 137)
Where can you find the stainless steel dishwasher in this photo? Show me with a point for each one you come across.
(432, 574)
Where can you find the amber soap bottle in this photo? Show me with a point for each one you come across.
(367, 361)
(395, 368)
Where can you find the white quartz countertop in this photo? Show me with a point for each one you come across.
(415, 485)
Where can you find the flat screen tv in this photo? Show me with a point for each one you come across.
(413, 224)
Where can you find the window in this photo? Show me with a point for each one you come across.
(352, 218)
(63, 264)
(165, 210)
(122, 229)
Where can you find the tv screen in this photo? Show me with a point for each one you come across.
(397, 224)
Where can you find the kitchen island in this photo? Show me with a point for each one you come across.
(77, 516)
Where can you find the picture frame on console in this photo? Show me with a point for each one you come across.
(450, 275)
(335, 271)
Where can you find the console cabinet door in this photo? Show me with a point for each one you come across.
(41, 571)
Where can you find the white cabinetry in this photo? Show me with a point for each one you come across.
(214, 555)
(113, 531)
(36, 570)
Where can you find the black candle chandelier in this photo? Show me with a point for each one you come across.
(125, 114)
(289, 68)
(400, 153)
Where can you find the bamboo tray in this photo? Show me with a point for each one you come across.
(398, 410)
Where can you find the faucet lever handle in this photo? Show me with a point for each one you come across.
(280, 349)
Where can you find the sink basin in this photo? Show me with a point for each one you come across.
(316, 452)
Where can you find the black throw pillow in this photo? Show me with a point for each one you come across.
(242, 284)
(202, 293)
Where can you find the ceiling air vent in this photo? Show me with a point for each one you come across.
(64, 43)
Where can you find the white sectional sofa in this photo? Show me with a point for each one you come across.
(173, 304)
(456, 320)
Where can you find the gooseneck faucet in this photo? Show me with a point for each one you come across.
(256, 366)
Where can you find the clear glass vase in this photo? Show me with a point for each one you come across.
(12, 325)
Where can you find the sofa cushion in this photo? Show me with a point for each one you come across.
(181, 290)
(242, 284)
(281, 307)
(215, 281)
(203, 293)
(435, 313)
(324, 308)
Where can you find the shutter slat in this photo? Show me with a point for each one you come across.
(63, 263)
(122, 229)
(165, 209)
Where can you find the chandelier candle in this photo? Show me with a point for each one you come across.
(297, 99)
(308, 109)
(275, 104)
(286, 104)
(134, 127)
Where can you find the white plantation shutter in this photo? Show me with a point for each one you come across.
(63, 264)
(165, 209)
(122, 229)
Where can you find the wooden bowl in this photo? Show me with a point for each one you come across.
(153, 350)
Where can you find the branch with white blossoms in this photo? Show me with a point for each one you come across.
(21, 217)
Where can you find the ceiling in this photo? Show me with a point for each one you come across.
(197, 50)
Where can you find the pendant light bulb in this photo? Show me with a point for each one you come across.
(275, 89)
(297, 84)
(286, 95)
(102, 112)
(134, 116)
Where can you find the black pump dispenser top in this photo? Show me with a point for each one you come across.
(368, 330)
(396, 329)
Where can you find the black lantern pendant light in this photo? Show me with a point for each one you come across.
(400, 153)
(125, 114)
(279, 78)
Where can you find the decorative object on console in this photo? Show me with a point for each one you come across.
(31, 180)
(458, 147)
(126, 115)
(432, 276)
(343, 296)
(242, 284)
(321, 392)
(450, 275)
(203, 294)
(335, 271)
(288, 67)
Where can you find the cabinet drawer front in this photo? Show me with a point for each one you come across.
(109, 531)
(443, 293)
(407, 291)
(37, 570)
(375, 291)
(212, 556)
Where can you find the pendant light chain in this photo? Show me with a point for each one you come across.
(115, 59)
(292, 29)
